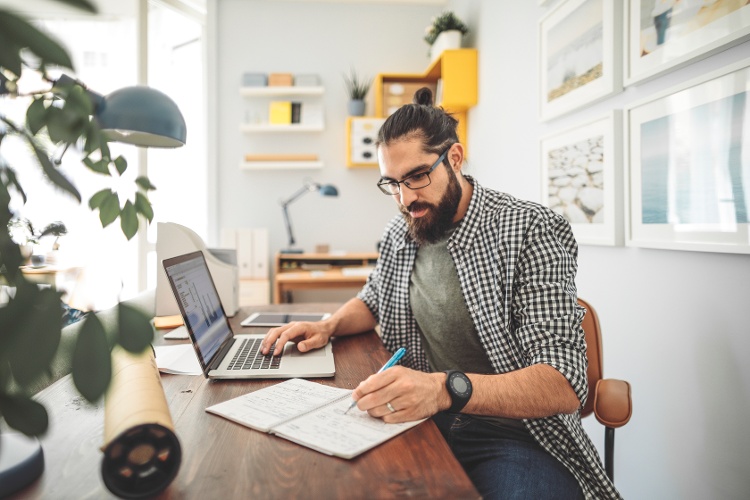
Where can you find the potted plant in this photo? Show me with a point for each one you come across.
(24, 229)
(31, 321)
(357, 88)
(445, 32)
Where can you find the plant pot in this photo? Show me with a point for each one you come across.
(450, 39)
(356, 107)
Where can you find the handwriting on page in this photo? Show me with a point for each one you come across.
(266, 408)
(330, 428)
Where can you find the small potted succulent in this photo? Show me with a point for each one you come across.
(357, 88)
(445, 32)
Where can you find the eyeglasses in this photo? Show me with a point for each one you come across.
(417, 181)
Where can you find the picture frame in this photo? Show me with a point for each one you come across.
(663, 35)
(580, 61)
(582, 178)
(688, 165)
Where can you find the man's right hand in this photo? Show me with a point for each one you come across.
(311, 335)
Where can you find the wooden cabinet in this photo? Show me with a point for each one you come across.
(319, 271)
(257, 121)
(452, 77)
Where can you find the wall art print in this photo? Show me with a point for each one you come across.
(665, 34)
(579, 55)
(581, 179)
(689, 165)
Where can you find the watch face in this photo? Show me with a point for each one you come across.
(459, 384)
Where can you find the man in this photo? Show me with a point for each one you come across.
(479, 288)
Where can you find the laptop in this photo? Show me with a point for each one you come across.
(222, 354)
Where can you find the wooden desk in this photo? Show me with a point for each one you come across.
(315, 271)
(221, 459)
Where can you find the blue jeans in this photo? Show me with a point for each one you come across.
(503, 466)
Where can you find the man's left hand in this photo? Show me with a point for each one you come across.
(412, 394)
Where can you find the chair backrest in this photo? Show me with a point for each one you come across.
(594, 372)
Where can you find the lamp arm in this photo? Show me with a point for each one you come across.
(300, 192)
(288, 224)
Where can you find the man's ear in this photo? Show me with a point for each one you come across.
(456, 157)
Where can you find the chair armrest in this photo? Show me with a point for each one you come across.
(612, 402)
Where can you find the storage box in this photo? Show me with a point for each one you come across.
(306, 80)
(280, 80)
(280, 112)
(254, 80)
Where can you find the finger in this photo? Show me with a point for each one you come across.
(271, 336)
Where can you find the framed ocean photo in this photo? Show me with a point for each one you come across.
(689, 165)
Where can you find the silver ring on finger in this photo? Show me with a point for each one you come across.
(390, 407)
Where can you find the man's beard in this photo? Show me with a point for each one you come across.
(432, 226)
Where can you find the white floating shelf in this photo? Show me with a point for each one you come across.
(293, 127)
(277, 91)
(280, 165)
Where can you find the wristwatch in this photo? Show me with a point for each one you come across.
(459, 388)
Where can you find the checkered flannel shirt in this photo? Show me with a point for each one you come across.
(516, 263)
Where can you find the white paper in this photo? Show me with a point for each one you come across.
(177, 359)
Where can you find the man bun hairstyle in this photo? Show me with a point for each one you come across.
(421, 120)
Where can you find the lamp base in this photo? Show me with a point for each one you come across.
(292, 250)
(21, 461)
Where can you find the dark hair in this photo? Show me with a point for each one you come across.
(432, 125)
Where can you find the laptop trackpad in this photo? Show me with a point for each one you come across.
(290, 349)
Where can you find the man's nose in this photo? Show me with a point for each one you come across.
(407, 196)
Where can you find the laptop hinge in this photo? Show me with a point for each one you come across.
(214, 365)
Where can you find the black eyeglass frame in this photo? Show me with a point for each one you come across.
(382, 184)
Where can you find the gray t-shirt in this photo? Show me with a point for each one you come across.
(450, 339)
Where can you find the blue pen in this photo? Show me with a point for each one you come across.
(394, 359)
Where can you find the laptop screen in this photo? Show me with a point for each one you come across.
(199, 303)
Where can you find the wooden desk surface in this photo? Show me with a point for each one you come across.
(221, 459)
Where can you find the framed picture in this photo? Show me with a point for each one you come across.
(667, 34)
(582, 178)
(689, 165)
(579, 55)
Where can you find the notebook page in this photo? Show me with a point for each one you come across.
(272, 405)
(329, 430)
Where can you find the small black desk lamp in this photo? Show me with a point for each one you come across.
(309, 187)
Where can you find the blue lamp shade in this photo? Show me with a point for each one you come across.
(142, 116)
(328, 190)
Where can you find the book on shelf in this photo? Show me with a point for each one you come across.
(296, 112)
(280, 112)
(312, 415)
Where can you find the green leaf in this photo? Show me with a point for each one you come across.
(62, 125)
(13, 181)
(24, 414)
(129, 220)
(143, 206)
(109, 210)
(52, 173)
(35, 115)
(78, 102)
(38, 337)
(92, 364)
(121, 164)
(144, 183)
(81, 4)
(10, 54)
(98, 198)
(93, 138)
(26, 35)
(134, 330)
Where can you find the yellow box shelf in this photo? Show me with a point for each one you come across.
(453, 78)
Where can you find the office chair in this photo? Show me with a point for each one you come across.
(609, 399)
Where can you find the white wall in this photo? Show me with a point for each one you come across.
(327, 38)
(675, 323)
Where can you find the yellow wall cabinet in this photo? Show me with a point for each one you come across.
(452, 78)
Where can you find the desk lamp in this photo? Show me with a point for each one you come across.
(309, 187)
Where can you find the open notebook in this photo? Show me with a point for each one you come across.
(312, 415)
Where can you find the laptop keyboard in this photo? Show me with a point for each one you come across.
(249, 357)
